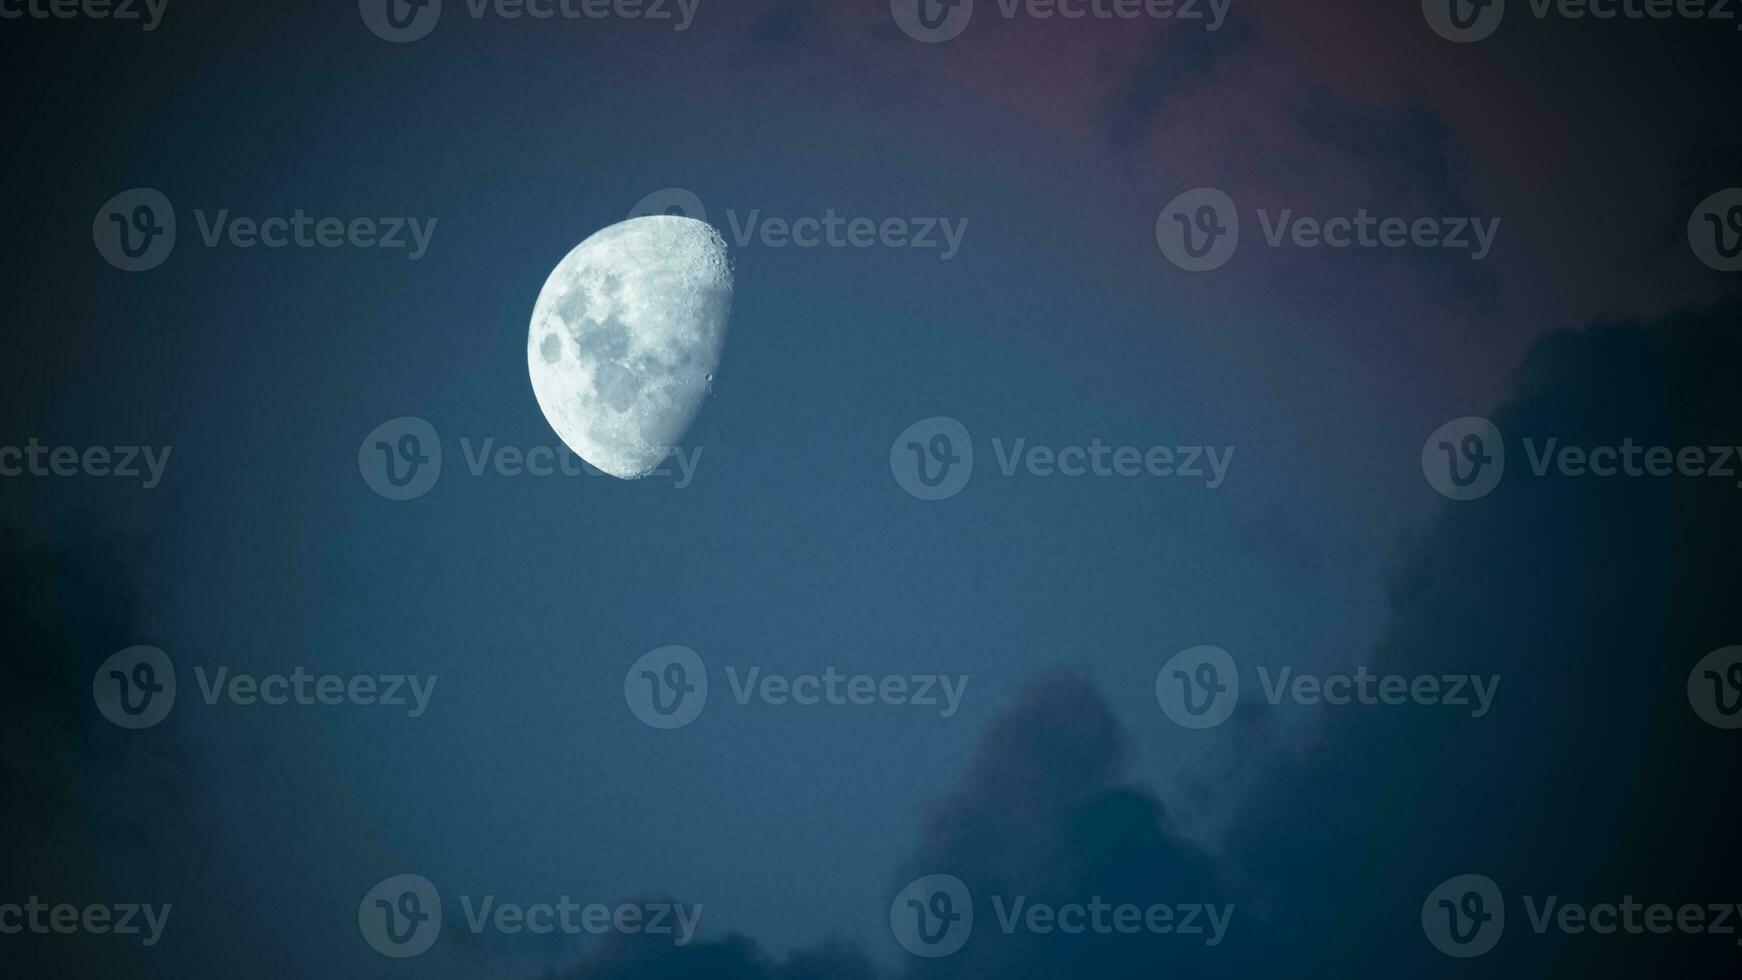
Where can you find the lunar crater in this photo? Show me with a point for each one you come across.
(645, 305)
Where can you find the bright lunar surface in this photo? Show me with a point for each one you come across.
(625, 339)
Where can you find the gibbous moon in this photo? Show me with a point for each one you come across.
(625, 339)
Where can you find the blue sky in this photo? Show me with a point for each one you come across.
(794, 549)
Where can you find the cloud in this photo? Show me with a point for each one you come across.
(732, 958)
(1179, 63)
(78, 791)
(1043, 812)
(1592, 599)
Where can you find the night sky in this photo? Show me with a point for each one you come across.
(1054, 147)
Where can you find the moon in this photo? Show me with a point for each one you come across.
(626, 336)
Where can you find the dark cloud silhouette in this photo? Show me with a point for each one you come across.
(1592, 778)
(77, 796)
(1041, 812)
(732, 958)
(1181, 60)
